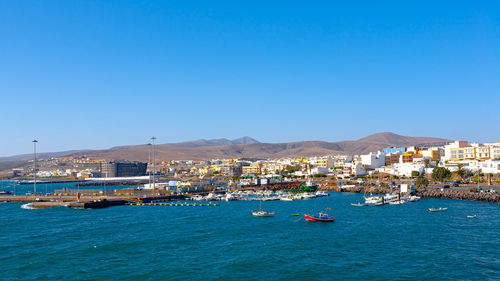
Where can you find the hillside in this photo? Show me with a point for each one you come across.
(250, 148)
(244, 147)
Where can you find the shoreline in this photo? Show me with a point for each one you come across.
(435, 193)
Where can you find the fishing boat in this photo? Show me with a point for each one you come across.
(398, 202)
(413, 198)
(373, 200)
(323, 217)
(359, 204)
(438, 210)
(321, 194)
(308, 186)
(471, 217)
(287, 198)
(262, 213)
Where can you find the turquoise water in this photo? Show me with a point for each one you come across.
(400, 242)
(44, 188)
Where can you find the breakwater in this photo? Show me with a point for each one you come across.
(434, 193)
(111, 183)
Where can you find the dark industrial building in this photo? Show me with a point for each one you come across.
(123, 169)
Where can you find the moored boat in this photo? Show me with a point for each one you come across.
(287, 198)
(359, 204)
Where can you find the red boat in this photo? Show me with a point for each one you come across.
(321, 217)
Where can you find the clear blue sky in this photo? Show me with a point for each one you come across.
(96, 74)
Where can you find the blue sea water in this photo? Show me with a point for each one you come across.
(45, 188)
(392, 242)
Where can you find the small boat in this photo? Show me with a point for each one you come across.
(438, 210)
(471, 217)
(359, 204)
(321, 217)
(372, 199)
(263, 214)
(321, 194)
(295, 215)
(413, 198)
(397, 202)
(5, 192)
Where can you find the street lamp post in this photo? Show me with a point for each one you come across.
(149, 163)
(154, 164)
(34, 169)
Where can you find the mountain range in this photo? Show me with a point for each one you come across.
(245, 147)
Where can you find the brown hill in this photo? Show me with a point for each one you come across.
(250, 148)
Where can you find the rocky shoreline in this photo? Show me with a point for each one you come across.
(435, 193)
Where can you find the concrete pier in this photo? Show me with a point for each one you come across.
(86, 202)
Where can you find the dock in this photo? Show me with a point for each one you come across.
(86, 202)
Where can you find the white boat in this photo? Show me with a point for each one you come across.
(211, 196)
(471, 217)
(308, 196)
(197, 198)
(262, 213)
(390, 197)
(373, 200)
(273, 198)
(229, 197)
(413, 198)
(287, 198)
(438, 210)
(397, 202)
(359, 204)
(321, 194)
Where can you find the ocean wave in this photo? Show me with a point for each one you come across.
(28, 206)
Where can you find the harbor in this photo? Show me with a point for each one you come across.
(182, 235)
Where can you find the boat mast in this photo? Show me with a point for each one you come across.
(154, 165)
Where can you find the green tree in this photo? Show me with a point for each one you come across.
(461, 172)
(422, 182)
(440, 174)
(415, 174)
(426, 162)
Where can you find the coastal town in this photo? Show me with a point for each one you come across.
(469, 167)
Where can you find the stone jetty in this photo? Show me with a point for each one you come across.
(434, 193)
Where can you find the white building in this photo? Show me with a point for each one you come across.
(486, 167)
(373, 160)
(406, 169)
(319, 170)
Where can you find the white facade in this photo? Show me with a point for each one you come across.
(318, 170)
(373, 160)
(405, 169)
(486, 167)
